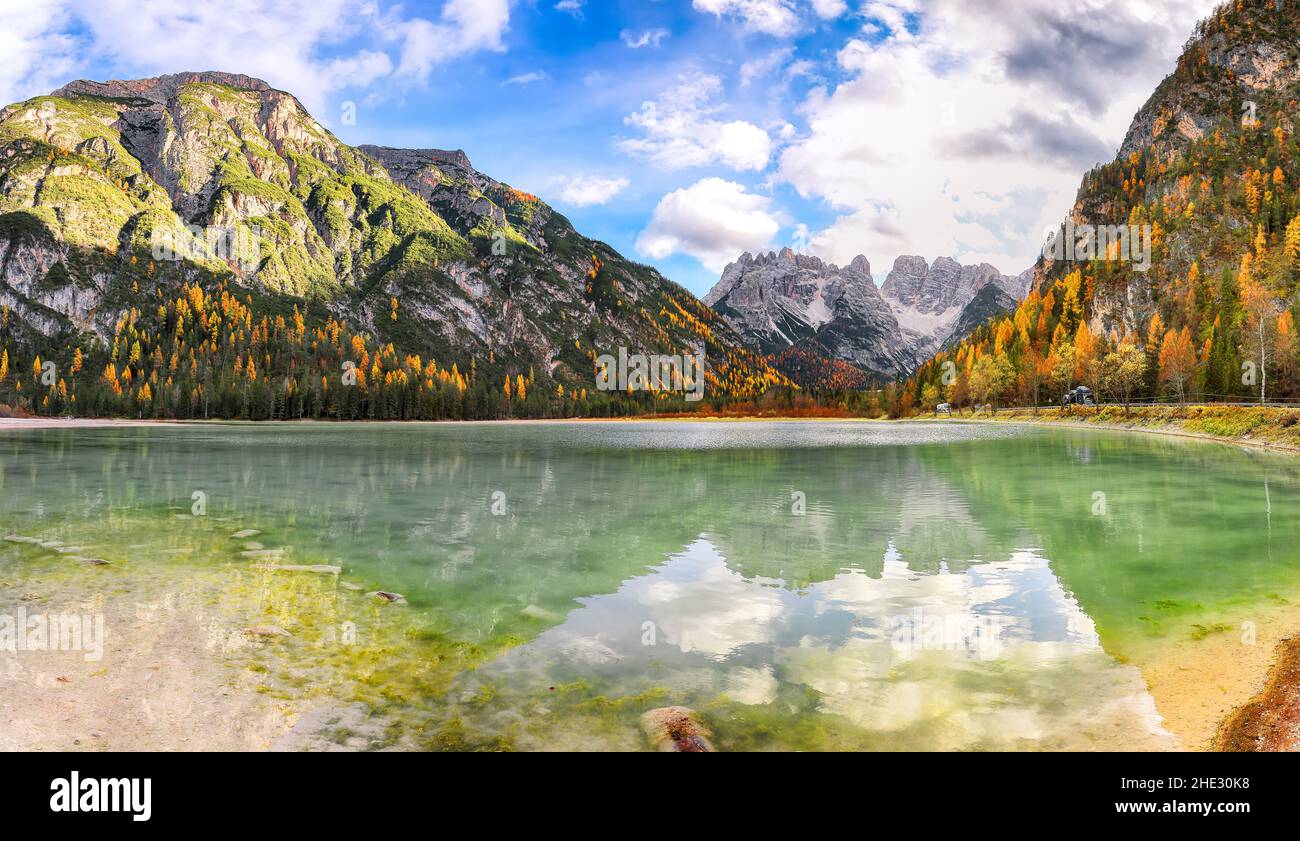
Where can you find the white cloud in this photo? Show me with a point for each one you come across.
(571, 7)
(527, 78)
(712, 220)
(680, 129)
(359, 70)
(277, 41)
(466, 26)
(967, 134)
(647, 38)
(588, 190)
(829, 9)
(764, 65)
(37, 55)
(302, 46)
(772, 17)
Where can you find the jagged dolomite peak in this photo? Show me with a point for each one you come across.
(782, 299)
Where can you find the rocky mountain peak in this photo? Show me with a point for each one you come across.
(411, 159)
(783, 299)
(1239, 61)
(790, 258)
(160, 89)
(944, 285)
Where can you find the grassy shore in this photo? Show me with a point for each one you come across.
(1274, 428)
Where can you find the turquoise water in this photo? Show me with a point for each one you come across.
(800, 585)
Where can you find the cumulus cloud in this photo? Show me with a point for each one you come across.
(38, 56)
(964, 128)
(1057, 139)
(829, 9)
(465, 26)
(773, 17)
(712, 220)
(277, 41)
(588, 190)
(681, 129)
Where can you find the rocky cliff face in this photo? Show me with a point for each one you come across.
(945, 284)
(94, 175)
(780, 300)
(1223, 121)
(1241, 60)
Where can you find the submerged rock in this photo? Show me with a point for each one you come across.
(245, 534)
(348, 585)
(588, 651)
(390, 598)
(676, 730)
(321, 569)
(264, 554)
(265, 631)
(535, 612)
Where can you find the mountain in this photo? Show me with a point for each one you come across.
(945, 285)
(779, 300)
(938, 302)
(782, 300)
(990, 302)
(1199, 298)
(413, 251)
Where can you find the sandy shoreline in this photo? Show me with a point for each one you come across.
(156, 686)
(185, 659)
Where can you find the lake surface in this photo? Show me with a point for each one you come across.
(812, 586)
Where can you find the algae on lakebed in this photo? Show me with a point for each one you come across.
(338, 645)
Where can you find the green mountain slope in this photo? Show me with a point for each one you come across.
(412, 251)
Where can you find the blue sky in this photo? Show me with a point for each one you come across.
(552, 106)
(684, 132)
